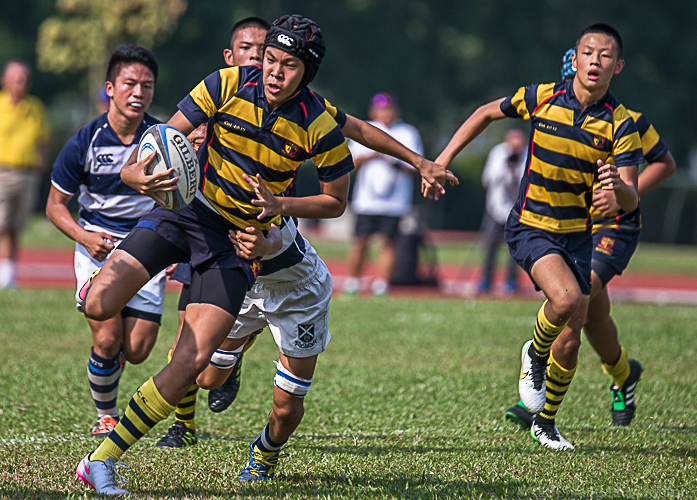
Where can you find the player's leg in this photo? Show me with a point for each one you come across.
(104, 370)
(492, 236)
(217, 295)
(358, 252)
(388, 231)
(298, 317)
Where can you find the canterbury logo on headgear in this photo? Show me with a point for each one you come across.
(285, 40)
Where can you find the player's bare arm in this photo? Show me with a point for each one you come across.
(372, 137)
(252, 243)
(622, 181)
(98, 244)
(331, 202)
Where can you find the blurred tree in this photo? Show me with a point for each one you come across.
(84, 32)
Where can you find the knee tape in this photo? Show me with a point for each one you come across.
(292, 384)
(224, 360)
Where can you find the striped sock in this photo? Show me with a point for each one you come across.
(620, 370)
(264, 443)
(146, 408)
(104, 375)
(558, 381)
(186, 409)
(545, 333)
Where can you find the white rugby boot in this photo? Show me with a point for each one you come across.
(548, 436)
(533, 377)
(101, 475)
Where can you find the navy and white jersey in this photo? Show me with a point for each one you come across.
(90, 163)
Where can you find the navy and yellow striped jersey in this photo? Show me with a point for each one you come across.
(244, 137)
(654, 149)
(565, 144)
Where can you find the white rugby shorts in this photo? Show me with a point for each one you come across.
(149, 299)
(296, 312)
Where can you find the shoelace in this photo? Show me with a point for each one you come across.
(111, 470)
(539, 367)
(549, 431)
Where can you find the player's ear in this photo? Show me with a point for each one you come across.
(109, 87)
(618, 68)
(228, 57)
(574, 61)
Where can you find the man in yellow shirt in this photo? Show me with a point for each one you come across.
(24, 134)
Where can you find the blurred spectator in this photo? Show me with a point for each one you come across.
(102, 101)
(382, 194)
(501, 178)
(24, 135)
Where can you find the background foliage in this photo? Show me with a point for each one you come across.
(441, 59)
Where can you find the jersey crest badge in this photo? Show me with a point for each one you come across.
(291, 149)
(598, 140)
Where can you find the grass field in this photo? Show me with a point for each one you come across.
(407, 402)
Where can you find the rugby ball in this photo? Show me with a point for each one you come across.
(173, 151)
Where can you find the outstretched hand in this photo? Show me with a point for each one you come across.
(436, 176)
(270, 204)
(135, 176)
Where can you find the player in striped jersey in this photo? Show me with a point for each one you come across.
(89, 166)
(262, 124)
(615, 238)
(576, 127)
(285, 313)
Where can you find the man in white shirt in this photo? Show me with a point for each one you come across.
(501, 178)
(382, 194)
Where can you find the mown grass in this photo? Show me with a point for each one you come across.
(407, 402)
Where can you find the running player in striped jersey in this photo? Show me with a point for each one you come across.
(89, 166)
(247, 40)
(576, 127)
(615, 238)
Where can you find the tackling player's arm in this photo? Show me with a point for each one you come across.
(96, 243)
(656, 173)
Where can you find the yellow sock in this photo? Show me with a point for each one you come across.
(186, 409)
(545, 333)
(558, 381)
(620, 370)
(146, 408)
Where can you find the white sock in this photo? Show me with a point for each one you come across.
(379, 286)
(351, 285)
(7, 273)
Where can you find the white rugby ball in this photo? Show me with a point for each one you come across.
(173, 151)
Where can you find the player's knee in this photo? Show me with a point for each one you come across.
(567, 303)
(136, 356)
(211, 378)
(96, 310)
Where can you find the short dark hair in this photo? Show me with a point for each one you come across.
(605, 29)
(248, 22)
(127, 54)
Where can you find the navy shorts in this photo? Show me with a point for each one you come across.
(528, 244)
(377, 224)
(200, 234)
(612, 250)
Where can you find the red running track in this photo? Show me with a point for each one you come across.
(54, 269)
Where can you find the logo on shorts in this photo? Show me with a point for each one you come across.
(598, 140)
(306, 336)
(605, 245)
(291, 149)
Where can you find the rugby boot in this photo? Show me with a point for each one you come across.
(262, 464)
(178, 436)
(519, 415)
(101, 475)
(221, 398)
(623, 405)
(548, 435)
(84, 289)
(533, 377)
(104, 425)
